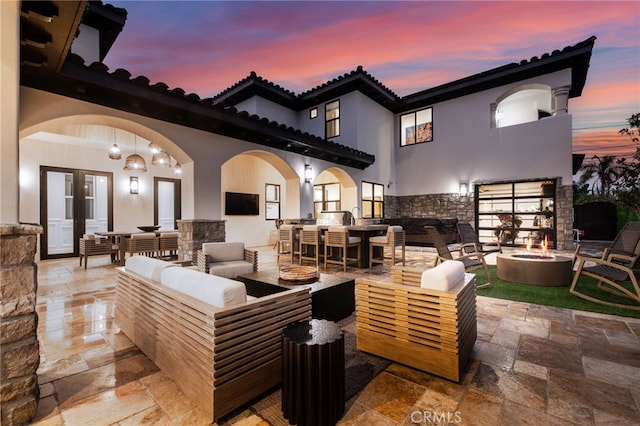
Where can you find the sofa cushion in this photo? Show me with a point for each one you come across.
(223, 252)
(214, 290)
(444, 276)
(147, 267)
(230, 269)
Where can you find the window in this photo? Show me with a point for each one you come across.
(68, 196)
(416, 127)
(313, 113)
(332, 118)
(372, 200)
(523, 105)
(272, 197)
(326, 197)
(89, 197)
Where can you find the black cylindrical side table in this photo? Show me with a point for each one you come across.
(313, 373)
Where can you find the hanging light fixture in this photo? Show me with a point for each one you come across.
(177, 169)
(161, 158)
(155, 149)
(135, 161)
(114, 151)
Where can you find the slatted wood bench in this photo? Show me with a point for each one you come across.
(430, 330)
(221, 358)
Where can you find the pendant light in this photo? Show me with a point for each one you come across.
(114, 151)
(177, 169)
(161, 158)
(135, 161)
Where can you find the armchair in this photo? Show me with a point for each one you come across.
(227, 259)
(414, 323)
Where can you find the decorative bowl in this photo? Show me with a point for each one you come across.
(149, 228)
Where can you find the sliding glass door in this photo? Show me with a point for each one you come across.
(73, 202)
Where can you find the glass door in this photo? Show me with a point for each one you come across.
(167, 205)
(73, 202)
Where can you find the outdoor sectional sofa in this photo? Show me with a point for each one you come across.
(415, 233)
(220, 345)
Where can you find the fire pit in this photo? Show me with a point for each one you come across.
(535, 269)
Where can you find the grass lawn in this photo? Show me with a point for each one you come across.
(554, 296)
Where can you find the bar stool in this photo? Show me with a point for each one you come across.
(310, 244)
(395, 238)
(288, 242)
(337, 237)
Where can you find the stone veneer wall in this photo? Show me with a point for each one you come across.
(195, 232)
(463, 208)
(430, 205)
(19, 349)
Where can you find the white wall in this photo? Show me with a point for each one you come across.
(248, 174)
(466, 149)
(267, 109)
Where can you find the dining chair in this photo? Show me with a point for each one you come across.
(310, 244)
(288, 242)
(168, 244)
(144, 243)
(395, 237)
(337, 238)
(92, 245)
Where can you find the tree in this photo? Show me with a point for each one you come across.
(628, 191)
(606, 172)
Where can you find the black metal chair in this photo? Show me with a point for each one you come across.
(471, 261)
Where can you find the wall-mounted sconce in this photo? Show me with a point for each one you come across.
(463, 190)
(134, 186)
(307, 173)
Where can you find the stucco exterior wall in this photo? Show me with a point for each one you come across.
(466, 148)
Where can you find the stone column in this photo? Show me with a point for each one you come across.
(560, 98)
(195, 232)
(19, 350)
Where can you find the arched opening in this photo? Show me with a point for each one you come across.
(93, 193)
(270, 180)
(523, 104)
(334, 190)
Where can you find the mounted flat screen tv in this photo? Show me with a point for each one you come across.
(240, 204)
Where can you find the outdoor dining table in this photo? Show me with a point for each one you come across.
(363, 231)
(120, 238)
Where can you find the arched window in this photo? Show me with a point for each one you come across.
(522, 105)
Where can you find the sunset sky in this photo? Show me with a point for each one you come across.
(206, 46)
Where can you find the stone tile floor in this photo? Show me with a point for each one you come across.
(531, 365)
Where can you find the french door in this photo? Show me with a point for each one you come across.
(167, 206)
(72, 202)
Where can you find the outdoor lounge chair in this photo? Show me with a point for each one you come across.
(616, 274)
(471, 261)
(468, 236)
(625, 243)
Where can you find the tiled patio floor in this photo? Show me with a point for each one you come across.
(531, 365)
